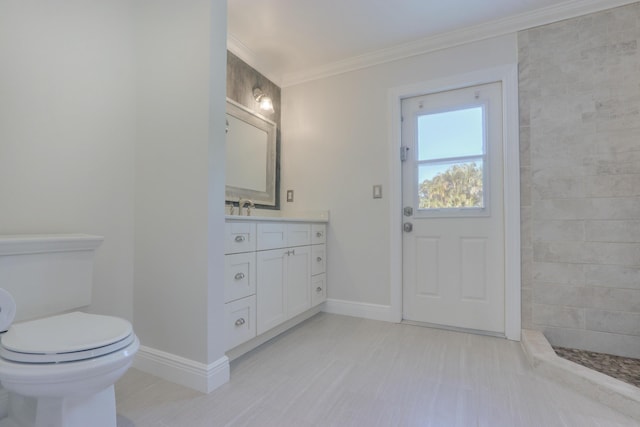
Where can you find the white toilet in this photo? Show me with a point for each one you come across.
(59, 369)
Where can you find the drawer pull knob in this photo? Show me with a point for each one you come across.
(240, 322)
(318, 289)
(239, 239)
(319, 234)
(239, 276)
(319, 259)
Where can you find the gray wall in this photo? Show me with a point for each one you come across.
(241, 79)
(179, 178)
(336, 145)
(580, 167)
(67, 131)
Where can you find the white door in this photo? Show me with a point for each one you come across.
(452, 179)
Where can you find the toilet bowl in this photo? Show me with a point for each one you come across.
(60, 370)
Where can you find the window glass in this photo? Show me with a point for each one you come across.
(449, 134)
(451, 185)
(451, 155)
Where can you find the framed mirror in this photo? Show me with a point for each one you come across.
(251, 156)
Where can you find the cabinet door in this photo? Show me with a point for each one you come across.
(271, 272)
(298, 280)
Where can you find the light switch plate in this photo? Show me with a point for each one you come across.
(289, 195)
(377, 191)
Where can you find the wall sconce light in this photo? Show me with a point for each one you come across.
(263, 100)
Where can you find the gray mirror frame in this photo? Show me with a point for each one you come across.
(268, 197)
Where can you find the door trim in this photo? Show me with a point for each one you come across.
(508, 76)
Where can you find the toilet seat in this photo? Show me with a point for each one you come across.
(65, 338)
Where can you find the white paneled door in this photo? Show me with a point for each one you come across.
(453, 219)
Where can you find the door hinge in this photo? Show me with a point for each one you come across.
(404, 152)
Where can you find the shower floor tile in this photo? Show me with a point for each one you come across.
(625, 369)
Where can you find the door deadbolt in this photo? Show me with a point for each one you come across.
(407, 227)
(408, 211)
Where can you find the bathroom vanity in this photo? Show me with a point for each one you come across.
(275, 277)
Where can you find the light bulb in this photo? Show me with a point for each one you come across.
(266, 104)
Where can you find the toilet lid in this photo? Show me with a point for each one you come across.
(74, 335)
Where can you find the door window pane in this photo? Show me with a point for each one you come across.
(451, 159)
(451, 185)
(450, 134)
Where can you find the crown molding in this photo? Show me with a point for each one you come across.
(240, 50)
(499, 27)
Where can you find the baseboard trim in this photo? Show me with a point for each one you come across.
(360, 309)
(189, 373)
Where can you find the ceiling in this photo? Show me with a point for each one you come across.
(296, 40)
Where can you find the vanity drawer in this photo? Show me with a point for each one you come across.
(240, 321)
(283, 235)
(239, 276)
(318, 261)
(318, 234)
(318, 289)
(239, 237)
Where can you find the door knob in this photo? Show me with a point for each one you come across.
(407, 227)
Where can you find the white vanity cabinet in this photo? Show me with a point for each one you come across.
(282, 235)
(239, 237)
(318, 289)
(239, 276)
(318, 264)
(240, 320)
(240, 283)
(298, 281)
(284, 285)
(274, 271)
(285, 273)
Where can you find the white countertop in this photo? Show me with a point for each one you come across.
(302, 217)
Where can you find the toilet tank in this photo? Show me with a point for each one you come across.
(47, 274)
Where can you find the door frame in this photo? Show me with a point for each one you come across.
(508, 76)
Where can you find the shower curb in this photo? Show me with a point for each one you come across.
(614, 393)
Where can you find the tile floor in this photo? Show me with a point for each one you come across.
(342, 371)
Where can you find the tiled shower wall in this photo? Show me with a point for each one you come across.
(580, 180)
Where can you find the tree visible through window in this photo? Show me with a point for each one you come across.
(458, 186)
(451, 155)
